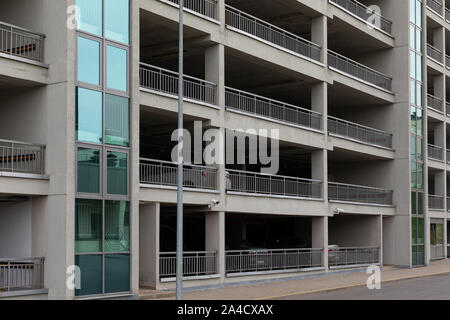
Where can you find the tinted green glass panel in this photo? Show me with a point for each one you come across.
(433, 234)
(88, 61)
(91, 274)
(419, 175)
(414, 230)
(117, 173)
(420, 203)
(88, 173)
(117, 273)
(413, 146)
(117, 126)
(116, 68)
(90, 16)
(88, 225)
(419, 124)
(413, 203)
(413, 116)
(117, 13)
(419, 148)
(413, 174)
(420, 231)
(117, 226)
(439, 234)
(89, 115)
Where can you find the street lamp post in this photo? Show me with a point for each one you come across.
(179, 259)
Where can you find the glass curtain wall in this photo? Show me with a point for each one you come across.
(102, 126)
(417, 132)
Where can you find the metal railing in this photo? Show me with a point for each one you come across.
(21, 274)
(195, 263)
(263, 30)
(266, 260)
(447, 14)
(358, 70)
(434, 103)
(347, 256)
(435, 152)
(21, 157)
(207, 8)
(434, 53)
(166, 81)
(447, 61)
(447, 108)
(359, 194)
(164, 173)
(261, 106)
(362, 11)
(21, 42)
(358, 132)
(436, 202)
(258, 183)
(436, 6)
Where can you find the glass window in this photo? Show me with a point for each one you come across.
(90, 19)
(439, 234)
(412, 37)
(419, 149)
(117, 273)
(412, 91)
(419, 203)
(116, 68)
(413, 146)
(412, 11)
(412, 57)
(88, 173)
(90, 273)
(117, 226)
(89, 115)
(117, 20)
(419, 122)
(420, 231)
(117, 173)
(117, 126)
(414, 230)
(419, 14)
(419, 68)
(88, 61)
(88, 225)
(418, 40)
(413, 116)
(419, 175)
(413, 174)
(419, 95)
(413, 203)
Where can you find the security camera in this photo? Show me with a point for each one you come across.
(339, 210)
(214, 202)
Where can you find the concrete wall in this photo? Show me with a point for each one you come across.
(15, 230)
(354, 231)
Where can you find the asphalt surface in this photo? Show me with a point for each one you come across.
(425, 288)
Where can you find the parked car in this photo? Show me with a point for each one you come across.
(333, 254)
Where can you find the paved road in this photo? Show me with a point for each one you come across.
(426, 288)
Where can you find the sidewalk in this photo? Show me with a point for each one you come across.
(332, 281)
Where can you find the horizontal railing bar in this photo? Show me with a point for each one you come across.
(271, 26)
(359, 64)
(266, 175)
(273, 100)
(185, 77)
(361, 126)
(357, 186)
(175, 164)
(22, 29)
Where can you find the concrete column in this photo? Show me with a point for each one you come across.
(319, 230)
(215, 239)
(149, 223)
(215, 72)
(376, 236)
(445, 238)
(221, 13)
(319, 102)
(319, 169)
(319, 35)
